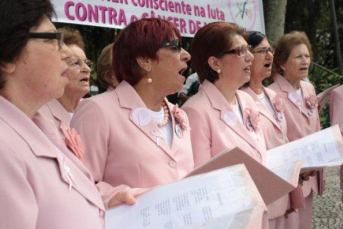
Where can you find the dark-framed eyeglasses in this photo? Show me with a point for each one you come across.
(264, 50)
(174, 44)
(239, 51)
(79, 63)
(58, 36)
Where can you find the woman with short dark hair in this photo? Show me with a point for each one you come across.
(41, 187)
(134, 137)
(274, 125)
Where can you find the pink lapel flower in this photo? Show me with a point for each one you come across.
(74, 142)
(253, 117)
(278, 103)
(311, 102)
(180, 117)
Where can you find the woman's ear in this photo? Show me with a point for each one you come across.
(144, 63)
(7, 68)
(214, 63)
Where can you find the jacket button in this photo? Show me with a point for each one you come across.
(101, 213)
(280, 136)
(172, 164)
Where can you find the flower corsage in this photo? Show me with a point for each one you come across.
(180, 117)
(278, 105)
(311, 103)
(74, 142)
(253, 119)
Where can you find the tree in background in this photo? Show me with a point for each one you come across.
(274, 17)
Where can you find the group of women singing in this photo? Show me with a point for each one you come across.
(54, 146)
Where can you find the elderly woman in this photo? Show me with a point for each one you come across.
(40, 187)
(220, 115)
(105, 73)
(273, 123)
(134, 137)
(61, 110)
(292, 60)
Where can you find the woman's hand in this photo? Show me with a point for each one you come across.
(122, 197)
(306, 176)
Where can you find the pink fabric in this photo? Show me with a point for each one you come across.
(35, 190)
(212, 133)
(300, 124)
(74, 142)
(336, 111)
(57, 114)
(275, 134)
(124, 154)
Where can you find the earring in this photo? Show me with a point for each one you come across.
(218, 71)
(149, 80)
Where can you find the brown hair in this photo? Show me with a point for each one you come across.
(104, 66)
(284, 46)
(73, 37)
(142, 38)
(212, 40)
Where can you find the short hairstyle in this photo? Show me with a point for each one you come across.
(212, 40)
(284, 46)
(255, 38)
(17, 17)
(142, 38)
(104, 66)
(72, 37)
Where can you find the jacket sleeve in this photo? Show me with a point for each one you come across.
(200, 135)
(19, 207)
(92, 125)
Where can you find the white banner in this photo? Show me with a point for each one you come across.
(188, 15)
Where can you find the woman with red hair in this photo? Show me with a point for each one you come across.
(134, 137)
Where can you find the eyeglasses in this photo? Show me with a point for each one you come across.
(239, 51)
(174, 44)
(79, 63)
(58, 36)
(264, 50)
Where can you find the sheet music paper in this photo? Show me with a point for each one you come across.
(319, 150)
(214, 197)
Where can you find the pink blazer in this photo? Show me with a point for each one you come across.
(57, 114)
(274, 129)
(336, 107)
(215, 127)
(336, 111)
(40, 186)
(123, 151)
(275, 134)
(300, 122)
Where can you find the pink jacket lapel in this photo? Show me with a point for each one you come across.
(227, 114)
(263, 109)
(59, 112)
(140, 117)
(286, 87)
(41, 146)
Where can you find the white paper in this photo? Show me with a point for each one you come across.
(289, 171)
(250, 218)
(319, 150)
(190, 202)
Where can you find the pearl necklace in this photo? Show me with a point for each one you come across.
(166, 116)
